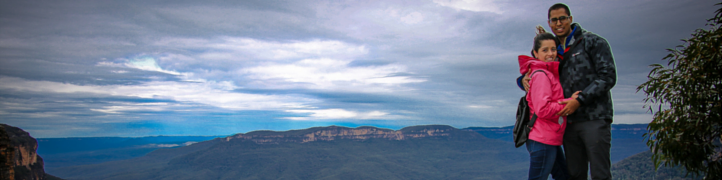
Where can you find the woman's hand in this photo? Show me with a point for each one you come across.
(571, 105)
(576, 94)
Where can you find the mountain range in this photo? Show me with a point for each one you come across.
(417, 152)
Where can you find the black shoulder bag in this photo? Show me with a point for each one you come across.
(523, 124)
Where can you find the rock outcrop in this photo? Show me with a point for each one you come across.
(335, 132)
(7, 154)
(21, 153)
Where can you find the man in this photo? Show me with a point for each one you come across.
(586, 65)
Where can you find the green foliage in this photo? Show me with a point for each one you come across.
(685, 99)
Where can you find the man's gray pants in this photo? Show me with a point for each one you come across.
(586, 145)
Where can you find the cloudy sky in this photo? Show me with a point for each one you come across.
(142, 68)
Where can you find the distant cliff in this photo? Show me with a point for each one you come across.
(18, 150)
(336, 133)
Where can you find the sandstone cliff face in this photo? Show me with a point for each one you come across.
(27, 164)
(7, 154)
(335, 132)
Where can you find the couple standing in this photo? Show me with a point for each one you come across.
(578, 65)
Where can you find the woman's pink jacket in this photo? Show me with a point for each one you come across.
(543, 96)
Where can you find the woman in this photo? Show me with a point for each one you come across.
(545, 137)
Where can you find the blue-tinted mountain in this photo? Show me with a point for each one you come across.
(418, 152)
(63, 152)
(270, 151)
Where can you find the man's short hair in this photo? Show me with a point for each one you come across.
(557, 6)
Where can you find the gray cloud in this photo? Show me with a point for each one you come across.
(134, 68)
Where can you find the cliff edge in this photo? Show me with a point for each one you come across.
(20, 160)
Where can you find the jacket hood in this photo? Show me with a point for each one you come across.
(579, 31)
(527, 63)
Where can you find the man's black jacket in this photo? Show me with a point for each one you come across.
(588, 66)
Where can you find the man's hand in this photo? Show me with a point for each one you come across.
(576, 94)
(525, 81)
(572, 105)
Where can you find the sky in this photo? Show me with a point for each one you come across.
(145, 68)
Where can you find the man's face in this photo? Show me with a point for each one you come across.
(560, 27)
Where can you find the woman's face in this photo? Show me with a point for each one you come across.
(547, 52)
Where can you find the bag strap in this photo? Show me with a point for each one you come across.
(532, 121)
(533, 117)
(538, 70)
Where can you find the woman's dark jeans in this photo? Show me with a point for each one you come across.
(545, 160)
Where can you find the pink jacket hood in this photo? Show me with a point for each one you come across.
(526, 63)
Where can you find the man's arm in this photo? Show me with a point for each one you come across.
(523, 81)
(606, 72)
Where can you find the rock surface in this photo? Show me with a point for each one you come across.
(20, 151)
(7, 154)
